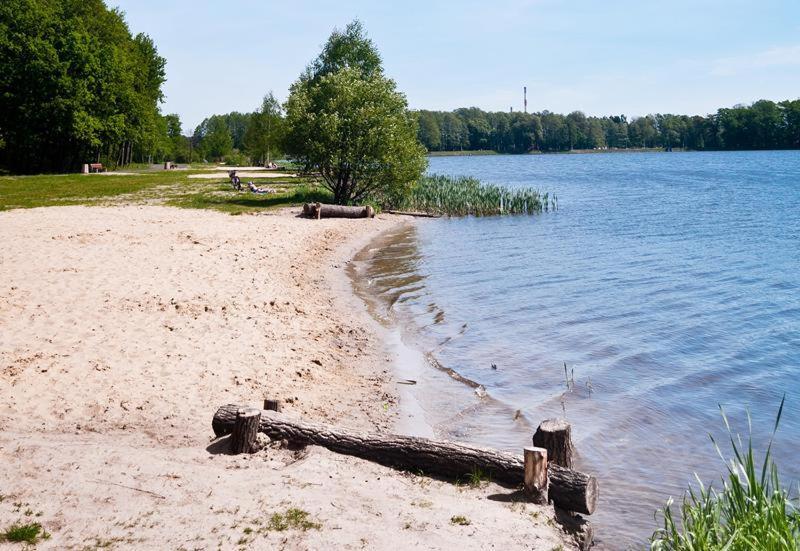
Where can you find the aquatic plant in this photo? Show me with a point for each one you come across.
(751, 511)
(466, 196)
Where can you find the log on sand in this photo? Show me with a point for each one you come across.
(320, 210)
(568, 489)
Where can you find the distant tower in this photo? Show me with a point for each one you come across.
(525, 98)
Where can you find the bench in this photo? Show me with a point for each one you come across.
(96, 167)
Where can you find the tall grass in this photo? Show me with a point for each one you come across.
(751, 511)
(464, 196)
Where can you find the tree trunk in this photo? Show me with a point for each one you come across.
(244, 431)
(317, 210)
(555, 435)
(570, 490)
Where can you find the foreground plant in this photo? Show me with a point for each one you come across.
(751, 511)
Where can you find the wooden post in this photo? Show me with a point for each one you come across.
(319, 211)
(272, 405)
(555, 435)
(243, 437)
(536, 474)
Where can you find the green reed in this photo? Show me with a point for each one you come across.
(465, 196)
(752, 510)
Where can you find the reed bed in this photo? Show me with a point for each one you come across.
(751, 510)
(465, 196)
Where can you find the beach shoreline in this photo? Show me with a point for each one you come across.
(124, 328)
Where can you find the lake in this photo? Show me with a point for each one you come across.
(669, 285)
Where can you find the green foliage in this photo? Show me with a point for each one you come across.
(762, 125)
(346, 49)
(466, 196)
(76, 86)
(476, 477)
(751, 511)
(292, 519)
(347, 121)
(265, 132)
(214, 138)
(25, 533)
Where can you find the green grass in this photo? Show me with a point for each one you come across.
(464, 196)
(25, 533)
(477, 477)
(750, 511)
(173, 188)
(460, 520)
(292, 519)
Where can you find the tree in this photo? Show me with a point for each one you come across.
(214, 137)
(265, 131)
(348, 122)
(75, 86)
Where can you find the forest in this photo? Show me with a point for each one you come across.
(762, 125)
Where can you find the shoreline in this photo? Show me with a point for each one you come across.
(126, 327)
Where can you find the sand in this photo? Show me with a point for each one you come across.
(123, 329)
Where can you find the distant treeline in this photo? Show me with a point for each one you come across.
(762, 125)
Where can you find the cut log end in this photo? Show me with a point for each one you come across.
(536, 474)
(555, 435)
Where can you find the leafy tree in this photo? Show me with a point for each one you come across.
(214, 138)
(265, 130)
(347, 121)
(75, 86)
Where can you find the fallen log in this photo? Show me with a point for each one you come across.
(571, 490)
(320, 210)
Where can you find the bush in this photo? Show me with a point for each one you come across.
(237, 158)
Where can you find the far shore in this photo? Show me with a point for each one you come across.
(483, 152)
(125, 327)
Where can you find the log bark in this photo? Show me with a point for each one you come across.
(570, 490)
(244, 431)
(319, 210)
(555, 435)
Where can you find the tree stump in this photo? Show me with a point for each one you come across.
(536, 474)
(555, 435)
(272, 405)
(243, 436)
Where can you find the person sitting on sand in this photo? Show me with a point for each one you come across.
(236, 182)
(256, 189)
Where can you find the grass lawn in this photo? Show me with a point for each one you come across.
(173, 188)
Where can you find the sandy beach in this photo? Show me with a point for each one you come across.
(124, 328)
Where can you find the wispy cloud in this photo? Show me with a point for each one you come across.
(781, 56)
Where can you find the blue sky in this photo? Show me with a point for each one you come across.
(600, 57)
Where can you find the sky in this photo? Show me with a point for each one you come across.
(600, 57)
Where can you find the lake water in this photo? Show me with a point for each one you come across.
(668, 283)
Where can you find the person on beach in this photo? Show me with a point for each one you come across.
(256, 189)
(236, 182)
